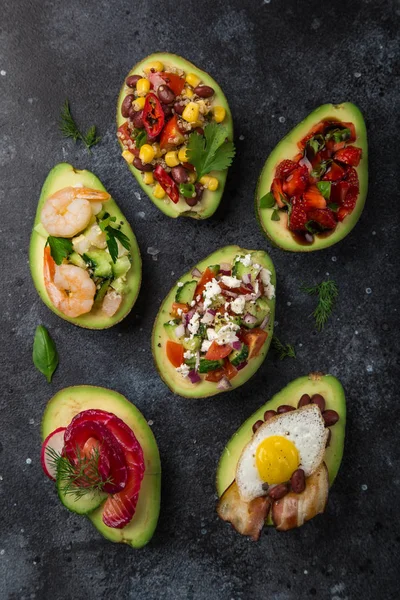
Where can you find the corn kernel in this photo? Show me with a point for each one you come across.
(219, 113)
(191, 112)
(183, 155)
(193, 79)
(138, 104)
(211, 183)
(171, 158)
(157, 150)
(191, 177)
(128, 156)
(142, 86)
(146, 153)
(188, 92)
(156, 65)
(158, 192)
(148, 178)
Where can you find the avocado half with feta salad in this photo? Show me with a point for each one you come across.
(164, 100)
(85, 223)
(291, 509)
(313, 186)
(108, 435)
(214, 328)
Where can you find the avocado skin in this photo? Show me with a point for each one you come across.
(210, 200)
(276, 231)
(60, 411)
(315, 383)
(174, 381)
(60, 176)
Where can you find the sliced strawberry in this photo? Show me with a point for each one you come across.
(351, 196)
(334, 173)
(339, 190)
(352, 178)
(352, 131)
(285, 168)
(318, 128)
(322, 155)
(342, 213)
(277, 190)
(324, 217)
(297, 182)
(351, 155)
(313, 198)
(298, 216)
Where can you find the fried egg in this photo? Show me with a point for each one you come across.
(286, 442)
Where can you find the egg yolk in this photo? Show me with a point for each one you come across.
(276, 459)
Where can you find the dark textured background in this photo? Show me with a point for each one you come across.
(276, 61)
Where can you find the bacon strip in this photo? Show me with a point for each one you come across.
(246, 517)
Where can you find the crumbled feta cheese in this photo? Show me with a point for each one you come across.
(231, 282)
(227, 305)
(194, 323)
(245, 260)
(179, 284)
(238, 305)
(256, 287)
(212, 290)
(193, 303)
(179, 311)
(227, 335)
(269, 289)
(198, 298)
(188, 354)
(183, 370)
(211, 334)
(205, 345)
(172, 322)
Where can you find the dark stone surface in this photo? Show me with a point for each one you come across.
(276, 62)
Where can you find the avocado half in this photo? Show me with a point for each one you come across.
(315, 383)
(167, 372)
(70, 401)
(61, 176)
(277, 231)
(210, 200)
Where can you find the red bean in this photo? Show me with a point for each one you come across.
(165, 94)
(132, 80)
(298, 481)
(277, 492)
(199, 188)
(179, 108)
(330, 417)
(179, 174)
(136, 116)
(167, 110)
(284, 408)
(269, 414)
(257, 425)
(319, 401)
(204, 91)
(142, 166)
(126, 105)
(304, 400)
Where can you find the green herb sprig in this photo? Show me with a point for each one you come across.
(44, 354)
(60, 248)
(70, 129)
(211, 152)
(327, 292)
(282, 350)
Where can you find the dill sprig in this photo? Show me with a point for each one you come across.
(79, 478)
(69, 128)
(327, 292)
(282, 350)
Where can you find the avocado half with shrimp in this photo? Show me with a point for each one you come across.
(302, 428)
(86, 279)
(182, 79)
(214, 328)
(313, 186)
(103, 457)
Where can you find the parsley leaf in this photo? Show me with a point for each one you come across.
(60, 248)
(267, 201)
(210, 152)
(69, 128)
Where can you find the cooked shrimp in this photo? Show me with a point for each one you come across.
(111, 303)
(69, 288)
(68, 211)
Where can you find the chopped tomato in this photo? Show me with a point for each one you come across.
(351, 155)
(229, 369)
(277, 190)
(179, 306)
(313, 198)
(173, 81)
(216, 351)
(254, 339)
(285, 168)
(324, 217)
(167, 183)
(335, 173)
(125, 136)
(216, 375)
(153, 116)
(296, 183)
(298, 216)
(175, 353)
(207, 276)
(171, 135)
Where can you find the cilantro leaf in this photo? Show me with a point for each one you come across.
(210, 152)
(60, 248)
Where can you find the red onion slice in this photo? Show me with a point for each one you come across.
(250, 319)
(207, 318)
(196, 273)
(225, 267)
(224, 384)
(236, 345)
(241, 366)
(265, 322)
(194, 377)
(225, 273)
(180, 330)
(229, 294)
(246, 278)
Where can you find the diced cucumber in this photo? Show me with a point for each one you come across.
(77, 260)
(239, 270)
(121, 266)
(119, 285)
(170, 327)
(193, 343)
(100, 261)
(190, 362)
(102, 292)
(209, 365)
(215, 269)
(260, 309)
(185, 293)
(238, 356)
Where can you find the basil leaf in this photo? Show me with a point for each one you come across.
(316, 143)
(325, 188)
(141, 139)
(312, 227)
(333, 206)
(60, 248)
(187, 190)
(267, 201)
(45, 356)
(320, 170)
(339, 135)
(275, 215)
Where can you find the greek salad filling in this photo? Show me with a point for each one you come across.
(218, 321)
(174, 133)
(319, 187)
(87, 254)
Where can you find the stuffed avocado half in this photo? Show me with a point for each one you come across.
(312, 189)
(214, 328)
(175, 130)
(84, 258)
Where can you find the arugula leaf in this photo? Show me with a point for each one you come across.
(275, 215)
(267, 201)
(210, 152)
(44, 355)
(325, 188)
(282, 350)
(327, 292)
(60, 248)
(69, 128)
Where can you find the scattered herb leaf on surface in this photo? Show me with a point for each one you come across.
(327, 292)
(45, 356)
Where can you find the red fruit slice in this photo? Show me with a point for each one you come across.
(335, 173)
(352, 178)
(351, 155)
(297, 182)
(342, 213)
(318, 128)
(352, 131)
(285, 168)
(55, 441)
(298, 216)
(277, 190)
(339, 190)
(324, 217)
(313, 198)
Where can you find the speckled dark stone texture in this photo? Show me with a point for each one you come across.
(276, 61)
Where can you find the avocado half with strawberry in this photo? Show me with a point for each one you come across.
(313, 186)
(103, 457)
(262, 476)
(214, 328)
(98, 254)
(175, 130)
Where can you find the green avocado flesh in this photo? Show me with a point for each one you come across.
(61, 176)
(168, 374)
(277, 231)
(315, 383)
(210, 200)
(59, 413)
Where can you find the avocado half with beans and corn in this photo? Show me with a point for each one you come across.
(214, 328)
(313, 187)
(84, 258)
(278, 467)
(103, 457)
(175, 130)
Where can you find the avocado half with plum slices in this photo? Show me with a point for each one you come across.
(103, 457)
(214, 328)
(278, 467)
(84, 258)
(175, 130)
(313, 187)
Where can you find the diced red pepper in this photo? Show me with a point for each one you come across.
(174, 353)
(179, 306)
(313, 198)
(285, 168)
(215, 375)
(207, 276)
(174, 81)
(171, 135)
(255, 340)
(229, 369)
(334, 173)
(216, 351)
(298, 216)
(167, 183)
(277, 190)
(324, 217)
(153, 116)
(351, 155)
(297, 182)
(125, 136)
